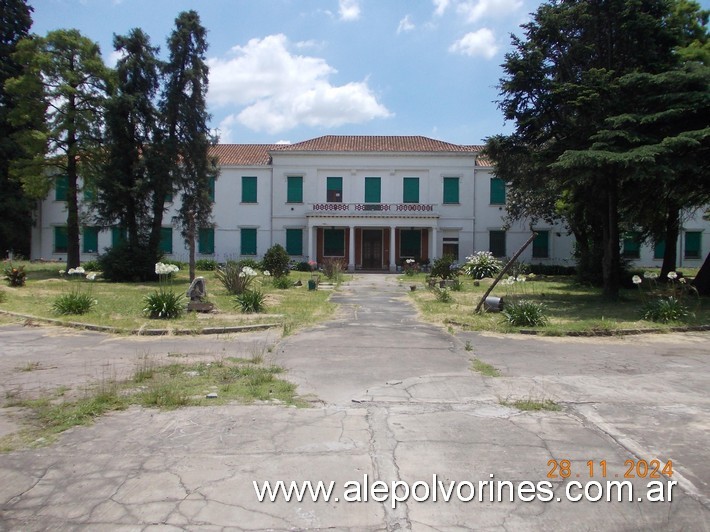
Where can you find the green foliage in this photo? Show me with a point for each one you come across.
(552, 269)
(206, 265)
(304, 267)
(282, 283)
(3, 296)
(482, 264)
(525, 313)
(163, 304)
(250, 301)
(442, 295)
(127, 263)
(74, 302)
(276, 261)
(333, 269)
(235, 278)
(444, 267)
(250, 263)
(664, 310)
(92, 266)
(15, 276)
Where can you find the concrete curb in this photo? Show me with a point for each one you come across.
(624, 332)
(144, 332)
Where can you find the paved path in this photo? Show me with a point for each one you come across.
(398, 402)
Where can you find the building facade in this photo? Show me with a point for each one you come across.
(368, 201)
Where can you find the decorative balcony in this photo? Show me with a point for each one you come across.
(373, 209)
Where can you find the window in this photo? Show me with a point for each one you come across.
(632, 245)
(372, 190)
(248, 189)
(451, 248)
(497, 191)
(334, 190)
(61, 239)
(61, 188)
(410, 190)
(89, 193)
(334, 242)
(659, 249)
(118, 236)
(205, 238)
(294, 191)
(166, 240)
(248, 241)
(90, 239)
(294, 241)
(211, 186)
(451, 190)
(496, 243)
(410, 243)
(541, 245)
(692, 244)
(168, 197)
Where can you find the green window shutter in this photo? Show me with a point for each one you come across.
(61, 188)
(168, 197)
(541, 245)
(497, 191)
(211, 185)
(90, 239)
(692, 244)
(89, 193)
(118, 236)
(248, 241)
(372, 190)
(166, 240)
(410, 243)
(334, 189)
(451, 190)
(659, 249)
(294, 241)
(334, 242)
(632, 245)
(248, 189)
(294, 192)
(410, 192)
(61, 239)
(205, 238)
(496, 243)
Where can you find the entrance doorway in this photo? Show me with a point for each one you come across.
(372, 249)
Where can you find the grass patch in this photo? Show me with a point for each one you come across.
(166, 387)
(484, 369)
(533, 405)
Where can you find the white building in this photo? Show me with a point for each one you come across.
(370, 201)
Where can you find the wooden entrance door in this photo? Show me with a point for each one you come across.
(372, 249)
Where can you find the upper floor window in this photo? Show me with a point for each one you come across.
(211, 186)
(497, 191)
(410, 190)
(248, 189)
(334, 189)
(61, 188)
(373, 190)
(294, 189)
(451, 190)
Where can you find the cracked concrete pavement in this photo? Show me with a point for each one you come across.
(397, 402)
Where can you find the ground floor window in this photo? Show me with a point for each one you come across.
(541, 245)
(166, 240)
(294, 241)
(496, 243)
(410, 243)
(451, 248)
(205, 238)
(118, 236)
(632, 245)
(248, 241)
(659, 249)
(90, 239)
(61, 239)
(692, 244)
(334, 242)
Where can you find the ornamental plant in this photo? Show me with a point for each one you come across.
(276, 260)
(76, 301)
(410, 266)
(445, 267)
(235, 278)
(482, 264)
(164, 303)
(251, 301)
(15, 276)
(525, 313)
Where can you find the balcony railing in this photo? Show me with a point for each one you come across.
(377, 208)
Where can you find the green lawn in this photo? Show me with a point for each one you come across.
(121, 304)
(570, 307)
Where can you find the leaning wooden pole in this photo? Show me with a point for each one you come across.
(504, 270)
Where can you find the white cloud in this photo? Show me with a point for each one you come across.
(405, 24)
(440, 6)
(349, 9)
(280, 90)
(475, 10)
(476, 43)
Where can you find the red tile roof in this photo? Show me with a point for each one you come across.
(243, 154)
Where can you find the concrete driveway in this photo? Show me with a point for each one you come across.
(397, 403)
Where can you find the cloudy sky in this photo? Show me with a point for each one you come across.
(290, 70)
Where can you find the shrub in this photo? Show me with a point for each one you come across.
(276, 260)
(444, 267)
(552, 269)
(442, 295)
(281, 282)
(126, 263)
(482, 264)
(664, 309)
(250, 263)
(333, 269)
(525, 313)
(75, 302)
(304, 267)
(457, 286)
(15, 276)
(163, 304)
(250, 301)
(206, 265)
(235, 278)
(92, 266)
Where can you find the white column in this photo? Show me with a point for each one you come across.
(311, 242)
(393, 266)
(351, 251)
(433, 245)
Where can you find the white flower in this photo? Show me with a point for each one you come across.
(72, 271)
(267, 273)
(79, 270)
(681, 280)
(91, 276)
(672, 275)
(248, 272)
(62, 272)
(636, 279)
(520, 278)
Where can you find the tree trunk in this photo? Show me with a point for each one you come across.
(611, 261)
(73, 247)
(702, 280)
(670, 254)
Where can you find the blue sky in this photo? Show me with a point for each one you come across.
(290, 70)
